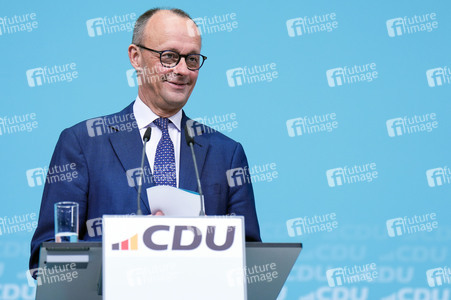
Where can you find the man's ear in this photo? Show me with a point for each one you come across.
(135, 56)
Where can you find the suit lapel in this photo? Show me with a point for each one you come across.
(187, 174)
(128, 148)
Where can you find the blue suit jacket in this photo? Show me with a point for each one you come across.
(102, 155)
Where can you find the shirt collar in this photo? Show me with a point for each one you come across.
(144, 115)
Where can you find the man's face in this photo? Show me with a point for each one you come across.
(166, 90)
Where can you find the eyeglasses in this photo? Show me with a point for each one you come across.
(169, 59)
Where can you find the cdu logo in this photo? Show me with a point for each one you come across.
(235, 77)
(295, 126)
(95, 27)
(35, 177)
(335, 277)
(35, 77)
(395, 227)
(435, 177)
(335, 77)
(128, 244)
(435, 77)
(194, 237)
(94, 227)
(395, 27)
(95, 127)
(294, 27)
(335, 177)
(238, 176)
(395, 127)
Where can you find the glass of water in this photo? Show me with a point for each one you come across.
(66, 222)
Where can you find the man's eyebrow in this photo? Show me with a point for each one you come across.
(176, 50)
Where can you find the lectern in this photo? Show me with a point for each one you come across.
(74, 270)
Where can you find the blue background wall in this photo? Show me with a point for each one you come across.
(266, 115)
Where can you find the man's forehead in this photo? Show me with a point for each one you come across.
(165, 26)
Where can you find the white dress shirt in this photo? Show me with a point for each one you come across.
(144, 118)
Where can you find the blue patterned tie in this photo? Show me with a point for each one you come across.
(164, 165)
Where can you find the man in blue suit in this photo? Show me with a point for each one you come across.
(106, 151)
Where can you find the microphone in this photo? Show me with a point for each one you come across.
(146, 138)
(190, 142)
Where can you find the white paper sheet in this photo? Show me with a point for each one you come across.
(173, 202)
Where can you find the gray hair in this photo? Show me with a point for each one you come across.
(140, 24)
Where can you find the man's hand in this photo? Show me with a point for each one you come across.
(158, 213)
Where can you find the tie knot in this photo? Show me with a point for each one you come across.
(162, 123)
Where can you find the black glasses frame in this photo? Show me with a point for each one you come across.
(180, 57)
